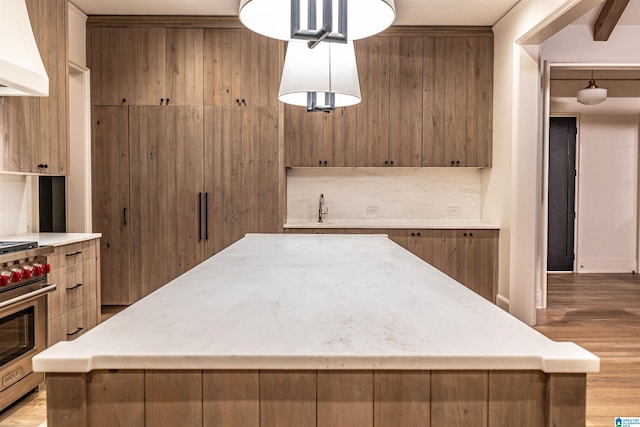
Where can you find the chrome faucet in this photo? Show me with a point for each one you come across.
(322, 209)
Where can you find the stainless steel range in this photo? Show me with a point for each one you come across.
(23, 316)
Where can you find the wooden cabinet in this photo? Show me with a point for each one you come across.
(426, 101)
(74, 307)
(241, 68)
(313, 139)
(241, 174)
(36, 134)
(468, 256)
(146, 66)
(457, 101)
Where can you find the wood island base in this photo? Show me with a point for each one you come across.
(289, 398)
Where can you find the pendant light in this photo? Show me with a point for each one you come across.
(317, 20)
(592, 94)
(321, 78)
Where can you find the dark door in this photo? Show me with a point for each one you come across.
(562, 191)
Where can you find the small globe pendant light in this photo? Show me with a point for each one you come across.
(592, 94)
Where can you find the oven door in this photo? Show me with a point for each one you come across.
(23, 332)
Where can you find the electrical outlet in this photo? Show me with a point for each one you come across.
(453, 211)
(372, 210)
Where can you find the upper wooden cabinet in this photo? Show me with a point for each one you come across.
(426, 101)
(36, 134)
(316, 139)
(146, 66)
(241, 68)
(457, 101)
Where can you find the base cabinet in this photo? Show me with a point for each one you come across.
(468, 256)
(74, 307)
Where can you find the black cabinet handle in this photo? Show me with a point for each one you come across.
(325, 163)
(43, 166)
(470, 234)
(161, 101)
(418, 233)
(124, 100)
(73, 254)
(199, 217)
(238, 102)
(73, 333)
(167, 101)
(206, 216)
(74, 287)
(124, 217)
(319, 162)
(457, 162)
(391, 162)
(453, 162)
(386, 162)
(244, 102)
(465, 234)
(413, 234)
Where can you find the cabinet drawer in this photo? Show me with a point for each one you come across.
(73, 323)
(72, 254)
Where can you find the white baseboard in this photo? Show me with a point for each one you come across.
(606, 265)
(502, 302)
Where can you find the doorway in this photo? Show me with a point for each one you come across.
(561, 194)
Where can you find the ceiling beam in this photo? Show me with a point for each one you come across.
(608, 18)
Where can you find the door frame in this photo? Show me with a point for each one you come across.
(541, 286)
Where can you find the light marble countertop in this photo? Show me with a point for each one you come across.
(52, 239)
(400, 224)
(314, 302)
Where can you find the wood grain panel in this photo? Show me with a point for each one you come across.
(184, 66)
(110, 198)
(402, 398)
(149, 73)
(304, 137)
(222, 62)
(517, 398)
(67, 400)
(112, 65)
(566, 400)
(405, 101)
(261, 69)
(36, 128)
(116, 399)
(173, 398)
(340, 137)
(288, 399)
(484, 102)
(345, 398)
(372, 114)
(459, 398)
(231, 398)
(429, 97)
(481, 263)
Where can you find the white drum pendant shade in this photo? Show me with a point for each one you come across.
(327, 68)
(272, 18)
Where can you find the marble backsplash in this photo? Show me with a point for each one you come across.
(383, 194)
(14, 199)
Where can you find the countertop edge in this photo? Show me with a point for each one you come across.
(53, 239)
(394, 225)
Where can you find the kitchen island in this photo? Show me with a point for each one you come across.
(314, 330)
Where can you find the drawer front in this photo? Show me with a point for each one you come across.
(73, 323)
(72, 254)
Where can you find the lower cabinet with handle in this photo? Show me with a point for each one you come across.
(74, 307)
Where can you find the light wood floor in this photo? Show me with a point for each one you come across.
(600, 312)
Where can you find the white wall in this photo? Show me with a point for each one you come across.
(77, 36)
(607, 202)
(15, 202)
(512, 197)
(427, 194)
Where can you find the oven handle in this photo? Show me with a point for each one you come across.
(29, 295)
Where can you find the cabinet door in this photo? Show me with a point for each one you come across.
(166, 147)
(303, 137)
(372, 114)
(129, 66)
(457, 101)
(449, 253)
(241, 68)
(481, 273)
(258, 204)
(340, 137)
(36, 128)
(405, 101)
(184, 66)
(110, 199)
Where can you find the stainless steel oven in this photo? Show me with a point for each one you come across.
(23, 318)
